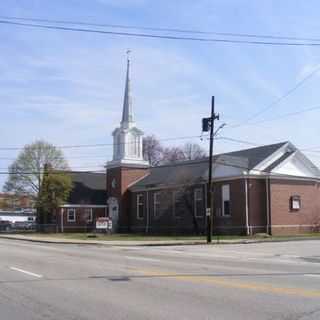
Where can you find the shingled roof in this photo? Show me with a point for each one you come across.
(257, 154)
(196, 171)
(88, 188)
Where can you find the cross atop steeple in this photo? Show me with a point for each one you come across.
(127, 114)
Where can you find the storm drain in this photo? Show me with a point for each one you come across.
(315, 259)
(119, 279)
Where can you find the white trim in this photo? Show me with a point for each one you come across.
(74, 213)
(197, 215)
(302, 159)
(128, 163)
(140, 195)
(277, 154)
(82, 206)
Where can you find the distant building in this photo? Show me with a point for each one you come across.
(10, 201)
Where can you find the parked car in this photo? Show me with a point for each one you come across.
(24, 225)
(5, 225)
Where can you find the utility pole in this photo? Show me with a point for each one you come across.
(208, 123)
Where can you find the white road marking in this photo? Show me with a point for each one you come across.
(27, 272)
(312, 275)
(142, 259)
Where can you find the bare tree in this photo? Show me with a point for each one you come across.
(172, 155)
(185, 197)
(156, 154)
(152, 150)
(193, 151)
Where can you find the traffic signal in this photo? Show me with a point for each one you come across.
(206, 124)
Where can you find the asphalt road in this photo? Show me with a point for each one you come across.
(251, 281)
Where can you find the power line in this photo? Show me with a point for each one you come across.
(286, 115)
(177, 164)
(306, 150)
(161, 29)
(239, 141)
(278, 100)
(157, 36)
(101, 144)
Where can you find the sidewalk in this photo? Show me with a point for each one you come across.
(126, 243)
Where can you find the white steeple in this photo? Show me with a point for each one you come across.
(127, 139)
(127, 115)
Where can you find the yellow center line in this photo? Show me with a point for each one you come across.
(223, 282)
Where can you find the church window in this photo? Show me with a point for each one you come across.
(140, 207)
(156, 204)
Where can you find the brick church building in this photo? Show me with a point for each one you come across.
(272, 189)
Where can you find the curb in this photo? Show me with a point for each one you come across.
(115, 243)
(111, 243)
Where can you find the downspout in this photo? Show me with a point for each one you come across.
(268, 206)
(247, 206)
(147, 213)
(62, 211)
(205, 205)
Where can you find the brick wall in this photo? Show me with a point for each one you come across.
(286, 221)
(168, 221)
(80, 224)
(234, 224)
(124, 177)
(257, 205)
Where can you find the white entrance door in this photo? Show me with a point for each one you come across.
(114, 212)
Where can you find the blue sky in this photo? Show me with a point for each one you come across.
(67, 87)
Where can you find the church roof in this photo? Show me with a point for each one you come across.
(88, 188)
(197, 170)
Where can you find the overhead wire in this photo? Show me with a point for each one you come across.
(177, 164)
(102, 144)
(159, 29)
(286, 115)
(158, 36)
(279, 99)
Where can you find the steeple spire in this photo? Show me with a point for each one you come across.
(127, 139)
(127, 115)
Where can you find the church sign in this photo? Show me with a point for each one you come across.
(103, 223)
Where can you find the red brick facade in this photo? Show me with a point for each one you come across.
(82, 221)
(284, 220)
(118, 181)
(250, 212)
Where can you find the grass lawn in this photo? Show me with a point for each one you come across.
(143, 237)
(112, 237)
